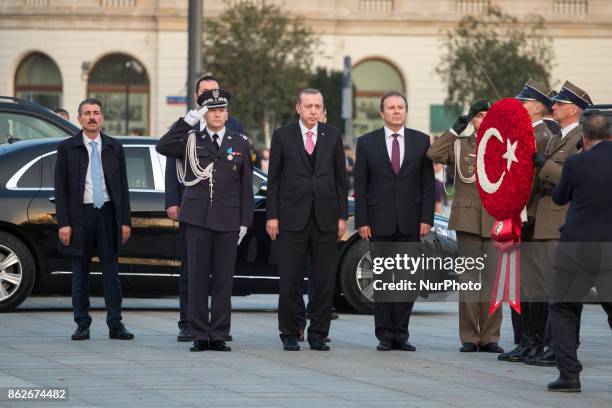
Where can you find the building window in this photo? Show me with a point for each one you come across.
(442, 117)
(38, 79)
(122, 85)
(570, 6)
(118, 3)
(380, 6)
(472, 6)
(372, 78)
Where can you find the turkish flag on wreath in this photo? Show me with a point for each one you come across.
(504, 174)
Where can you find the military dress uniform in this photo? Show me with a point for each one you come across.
(473, 226)
(549, 217)
(529, 326)
(212, 211)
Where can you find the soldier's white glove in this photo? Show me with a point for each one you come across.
(242, 233)
(195, 116)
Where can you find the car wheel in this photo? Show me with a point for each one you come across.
(356, 277)
(17, 272)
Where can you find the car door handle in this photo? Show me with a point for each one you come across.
(52, 199)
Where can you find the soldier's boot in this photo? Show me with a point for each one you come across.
(518, 349)
(522, 352)
(547, 358)
(534, 352)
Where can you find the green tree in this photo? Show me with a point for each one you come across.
(330, 85)
(263, 56)
(498, 46)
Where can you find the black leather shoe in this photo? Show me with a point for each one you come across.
(218, 345)
(384, 345)
(519, 354)
(468, 347)
(565, 385)
(319, 345)
(119, 332)
(228, 337)
(402, 346)
(81, 333)
(547, 358)
(326, 340)
(491, 348)
(291, 344)
(535, 352)
(199, 345)
(184, 336)
(506, 355)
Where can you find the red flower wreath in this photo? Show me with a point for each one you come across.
(505, 172)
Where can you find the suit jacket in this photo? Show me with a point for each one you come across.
(550, 216)
(69, 182)
(173, 188)
(294, 187)
(232, 198)
(467, 213)
(585, 184)
(386, 201)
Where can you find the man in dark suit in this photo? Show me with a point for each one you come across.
(394, 202)
(307, 208)
(174, 194)
(92, 204)
(216, 210)
(583, 257)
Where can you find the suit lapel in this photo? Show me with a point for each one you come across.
(382, 146)
(322, 144)
(225, 144)
(563, 141)
(297, 137)
(406, 150)
(106, 151)
(208, 143)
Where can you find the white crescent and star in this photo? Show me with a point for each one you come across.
(510, 156)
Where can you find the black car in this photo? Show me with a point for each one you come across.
(150, 261)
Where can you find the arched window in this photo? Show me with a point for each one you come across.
(120, 81)
(38, 79)
(372, 78)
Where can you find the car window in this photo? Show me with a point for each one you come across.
(17, 126)
(48, 170)
(139, 170)
(31, 178)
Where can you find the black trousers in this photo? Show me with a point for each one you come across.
(391, 319)
(183, 280)
(211, 259)
(319, 249)
(578, 268)
(99, 235)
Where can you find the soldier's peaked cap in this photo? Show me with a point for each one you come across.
(214, 98)
(536, 91)
(570, 93)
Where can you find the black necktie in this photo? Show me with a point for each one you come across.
(215, 138)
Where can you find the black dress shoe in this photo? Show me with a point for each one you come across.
(199, 345)
(506, 355)
(519, 354)
(184, 336)
(228, 337)
(119, 332)
(564, 385)
(468, 347)
(384, 345)
(319, 345)
(491, 348)
(402, 346)
(535, 352)
(218, 345)
(326, 340)
(547, 358)
(81, 333)
(291, 344)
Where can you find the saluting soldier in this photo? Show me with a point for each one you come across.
(529, 326)
(568, 106)
(477, 330)
(216, 210)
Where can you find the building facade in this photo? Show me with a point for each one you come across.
(58, 52)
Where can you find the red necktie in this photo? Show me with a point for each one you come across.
(395, 154)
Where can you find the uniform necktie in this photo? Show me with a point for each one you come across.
(215, 138)
(96, 176)
(395, 154)
(309, 142)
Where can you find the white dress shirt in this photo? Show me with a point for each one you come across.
(568, 129)
(88, 193)
(389, 140)
(314, 131)
(220, 133)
